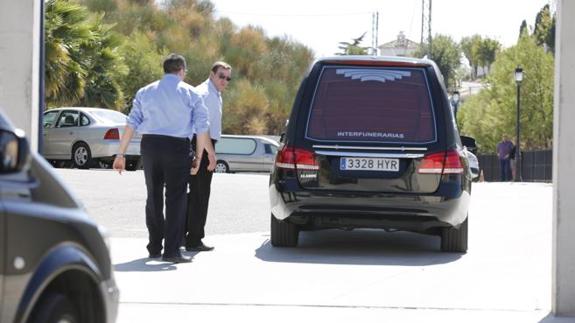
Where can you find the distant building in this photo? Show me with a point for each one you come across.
(399, 47)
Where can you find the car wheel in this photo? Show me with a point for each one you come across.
(222, 167)
(132, 164)
(455, 240)
(283, 233)
(54, 308)
(81, 155)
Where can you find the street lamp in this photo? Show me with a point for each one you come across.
(455, 103)
(518, 80)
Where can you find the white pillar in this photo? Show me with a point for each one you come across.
(20, 64)
(563, 293)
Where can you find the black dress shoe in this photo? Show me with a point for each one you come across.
(200, 247)
(177, 259)
(155, 255)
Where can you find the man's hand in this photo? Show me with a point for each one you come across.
(119, 163)
(212, 160)
(195, 167)
(203, 142)
(120, 160)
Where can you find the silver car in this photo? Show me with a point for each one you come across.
(237, 153)
(87, 137)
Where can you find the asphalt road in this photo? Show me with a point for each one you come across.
(239, 203)
(335, 276)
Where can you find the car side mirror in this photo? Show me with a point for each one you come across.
(469, 142)
(14, 151)
(282, 137)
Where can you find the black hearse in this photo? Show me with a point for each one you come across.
(371, 143)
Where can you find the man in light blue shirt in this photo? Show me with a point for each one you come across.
(200, 184)
(165, 112)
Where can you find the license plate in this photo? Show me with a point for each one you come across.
(372, 164)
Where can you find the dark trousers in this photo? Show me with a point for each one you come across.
(166, 165)
(198, 200)
(505, 168)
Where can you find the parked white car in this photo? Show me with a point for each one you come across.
(237, 153)
(87, 137)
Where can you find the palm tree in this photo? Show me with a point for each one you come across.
(104, 66)
(353, 48)
(66, 29)
(82, 60)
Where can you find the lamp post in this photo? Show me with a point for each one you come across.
(518, 80)
(455, 103)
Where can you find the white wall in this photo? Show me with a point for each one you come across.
(20, 63)
(563, 293)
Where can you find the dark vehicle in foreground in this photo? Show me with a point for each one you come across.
(371, 143)
(54, 261)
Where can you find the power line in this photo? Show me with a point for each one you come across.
(293, 15)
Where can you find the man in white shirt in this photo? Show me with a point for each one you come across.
(166, 113)
(200, 183)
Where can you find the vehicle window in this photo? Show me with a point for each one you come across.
(49, 119)
(84, 120)
(270, 149)
(110, 115)
(373, 104)
(238, 146)
(68, 119)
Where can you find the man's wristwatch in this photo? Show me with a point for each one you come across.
(119, 155)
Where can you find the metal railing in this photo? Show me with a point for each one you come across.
(537, 166)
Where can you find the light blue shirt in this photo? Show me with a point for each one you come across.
(213, 100)
(168, 107)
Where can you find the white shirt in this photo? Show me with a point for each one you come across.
(168, 107)
(213, 100)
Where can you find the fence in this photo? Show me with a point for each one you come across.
(536, 166)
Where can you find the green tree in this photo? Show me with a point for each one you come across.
(82, 61)
(470, 48)
(544, 30)
(487, 51)
(447, 55)
(144, 62)
(247, 114)
(492, 112)
(353, 48)
(66, 30)
(523, 29)
(266, 71)
(102, 60)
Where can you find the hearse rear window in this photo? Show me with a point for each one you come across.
(372, 104)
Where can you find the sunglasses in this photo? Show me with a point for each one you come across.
(223, 77)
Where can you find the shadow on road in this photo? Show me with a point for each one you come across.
(555, 319)
(146, 265)
(360, 247)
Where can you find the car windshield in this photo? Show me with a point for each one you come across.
(373, 104)
(110, 116)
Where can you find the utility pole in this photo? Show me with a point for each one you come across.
(374, 32)
(426, 39)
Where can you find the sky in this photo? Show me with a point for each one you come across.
(322, 24)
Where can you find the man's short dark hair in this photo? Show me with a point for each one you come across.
(174, 63)
(221, 64)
